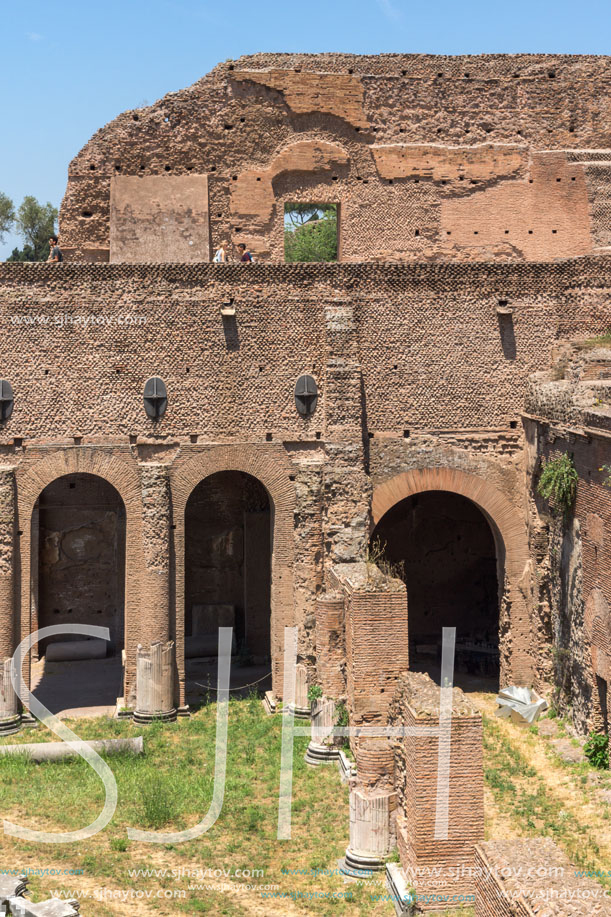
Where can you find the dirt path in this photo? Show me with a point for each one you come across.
(576, 790)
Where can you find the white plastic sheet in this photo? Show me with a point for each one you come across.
(521, 705)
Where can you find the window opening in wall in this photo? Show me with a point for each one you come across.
(311, 232)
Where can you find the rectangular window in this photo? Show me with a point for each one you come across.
(310, 232)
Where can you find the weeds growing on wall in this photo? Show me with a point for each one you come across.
(376, 556)
(607, 471)
(596, 750)
(558, 483)
(342, 719)
(314, 693)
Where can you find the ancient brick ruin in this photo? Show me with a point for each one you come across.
(446, 346)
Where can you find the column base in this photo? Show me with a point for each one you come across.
(321, 754)
(28, 720)
(300, 713)
(10, 725)
(347, 769)
(122, 711)
(145, 719)
(360, 865)
(403, 897)
(270, 704)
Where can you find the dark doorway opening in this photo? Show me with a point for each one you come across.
(78, 544)
(602, 688)
(228, 560)
(448, 555)
(81, 560)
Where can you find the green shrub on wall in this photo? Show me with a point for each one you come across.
(558, 483)
(597, 750)
(314, 693)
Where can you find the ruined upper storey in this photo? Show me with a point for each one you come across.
(503, 157)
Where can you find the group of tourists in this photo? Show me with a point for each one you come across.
(223, 253)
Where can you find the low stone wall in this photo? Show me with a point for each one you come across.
(533, 878)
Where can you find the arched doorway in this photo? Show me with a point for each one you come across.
(444, 547)
(79, 569)
(228, 564)
(517, 638)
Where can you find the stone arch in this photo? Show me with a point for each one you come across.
(124, 479)
(513, 555)
(598, 634)
(273, 469)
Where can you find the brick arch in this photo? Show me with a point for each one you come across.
(273, 469)
(511, 539)
(597, 621)
(598, 632)
(124, 479)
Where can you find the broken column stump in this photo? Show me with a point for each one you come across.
(301, 707)
(371, 839)
(10, 707)
(437, 866)
(322, 748)
(155, 683)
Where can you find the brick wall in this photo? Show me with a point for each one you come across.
(442, 866)
(533, 878)
(569, 413)
(428, 157)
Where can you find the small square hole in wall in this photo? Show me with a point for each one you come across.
(318, 434)
(269, 437)
(406, 434)
(370, 434)
(513, 424)
(193, 437)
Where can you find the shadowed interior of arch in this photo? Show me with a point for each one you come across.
(228, 555)
(445, 551)
(79, 578)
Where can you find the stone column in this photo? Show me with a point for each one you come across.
(156, 516)
(322, 747)
(155, 683)
(156, 626)
(371, 839)
(10, 718)
(301, 707)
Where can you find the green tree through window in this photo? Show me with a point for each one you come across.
(310, 232)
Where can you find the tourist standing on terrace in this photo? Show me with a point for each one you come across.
(55, 252)
(243, 253)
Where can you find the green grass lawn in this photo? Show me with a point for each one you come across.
(170, 788)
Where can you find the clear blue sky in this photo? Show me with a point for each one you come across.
(69, 67)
